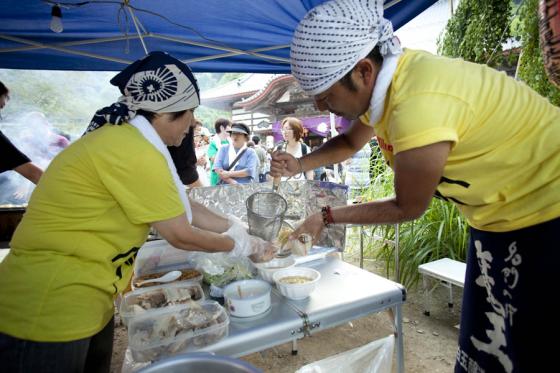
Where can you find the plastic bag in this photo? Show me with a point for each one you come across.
(219, 269)
(375, 357)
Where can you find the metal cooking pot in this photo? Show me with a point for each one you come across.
(200, 362)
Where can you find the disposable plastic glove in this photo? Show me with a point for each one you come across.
(241, 239)
(262, 251)
(235, 220)
(258, 249)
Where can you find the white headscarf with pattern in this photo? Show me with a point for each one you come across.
(334, 36)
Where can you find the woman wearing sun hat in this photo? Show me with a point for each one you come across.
(235, 162)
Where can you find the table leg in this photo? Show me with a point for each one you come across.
(294, 347)
(427, 295)
(399, 338)
(361, 246)
(397, 264)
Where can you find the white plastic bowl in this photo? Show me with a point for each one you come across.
(267, 269)
(296, 291)
(247, 298)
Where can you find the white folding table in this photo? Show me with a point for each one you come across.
(448, 272)
(344, 293)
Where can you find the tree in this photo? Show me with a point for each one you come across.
(476, 31)
(531, 66)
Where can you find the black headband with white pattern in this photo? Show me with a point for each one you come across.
(157, 83)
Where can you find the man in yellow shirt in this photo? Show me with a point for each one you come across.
(461, 131)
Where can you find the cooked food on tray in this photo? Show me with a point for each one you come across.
(162, 297)
(194, 326)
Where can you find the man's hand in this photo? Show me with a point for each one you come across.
(283, 164)
(312, 226)
(201, 161)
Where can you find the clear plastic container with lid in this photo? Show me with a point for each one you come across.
(176, 329)
(160, 256)
(150, 299)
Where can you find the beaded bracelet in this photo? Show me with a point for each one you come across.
(327, 216)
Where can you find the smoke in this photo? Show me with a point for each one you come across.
(33, 135)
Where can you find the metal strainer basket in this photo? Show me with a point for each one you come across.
(265, 214)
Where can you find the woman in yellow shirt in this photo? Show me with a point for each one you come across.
(75, 248)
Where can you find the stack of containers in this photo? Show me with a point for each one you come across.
(165, 319)
(138, 302)
(176, 329)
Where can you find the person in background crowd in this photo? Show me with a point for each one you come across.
(74, 250)
(319, 173)
(11, 158)
(222, 126)
(262, 157)
(458, 130)
(201, 143)
(235, 162)
(292, 131)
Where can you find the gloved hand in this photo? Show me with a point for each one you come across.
(247, 245)
(263, 251)
(235, 220)
(241, 239)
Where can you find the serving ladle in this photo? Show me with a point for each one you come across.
(168, 277)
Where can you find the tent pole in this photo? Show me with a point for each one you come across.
(136, 21)
(219, 47)
(333, 134)
(392, 3)
(67, 44)
(65, 50)
(231, 54)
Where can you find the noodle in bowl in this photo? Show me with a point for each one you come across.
(296, 282)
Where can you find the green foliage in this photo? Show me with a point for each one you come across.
(207, 81)
(70, 98)
(531, 66)
(67, 98)
(440, 232)
(476, 31)
(208, 116)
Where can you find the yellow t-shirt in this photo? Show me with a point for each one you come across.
(75, 247)
(503, 171)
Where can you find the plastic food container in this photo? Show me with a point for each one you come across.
(150, 299)
(266, 270)
(159, 256)
(188, 275)
(296, 282)
(247, 298)
(176, 329)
